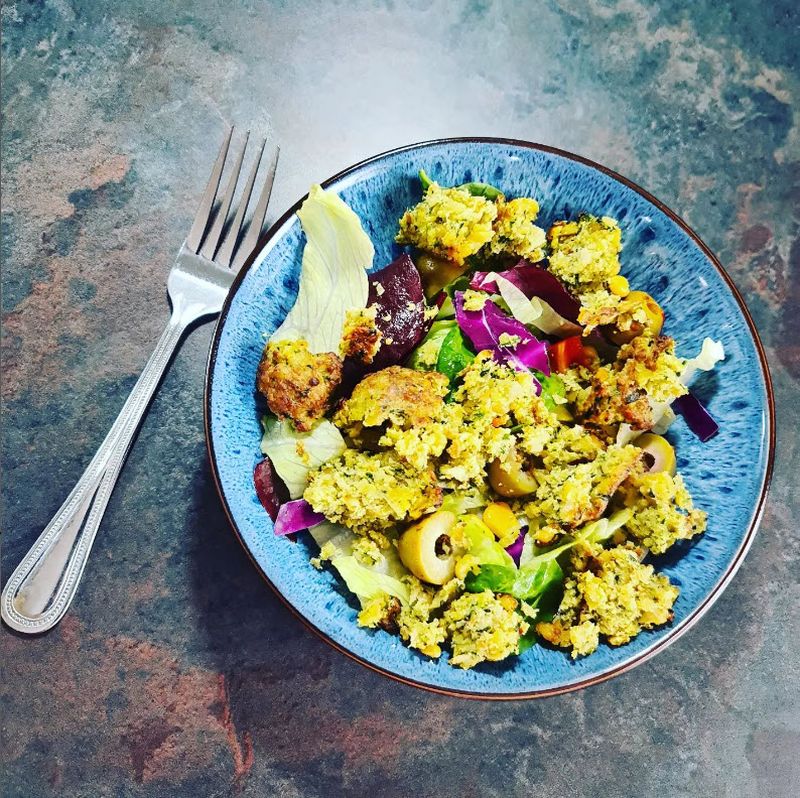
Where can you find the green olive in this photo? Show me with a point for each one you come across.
(426, 550)
(436, 272)
(652, 326)
(510, 478)
(659, 454)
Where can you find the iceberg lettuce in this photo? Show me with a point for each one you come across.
(481, 543)
(711, 352)
(294, 453)
(367, 583)
(333, 278)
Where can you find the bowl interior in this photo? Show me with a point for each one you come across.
(727, 476)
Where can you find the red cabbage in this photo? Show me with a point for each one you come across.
(296, 515)
(515, 549)
(533, 281)
(484, 328)
(401, 311)
(271, 491)
(697, 418)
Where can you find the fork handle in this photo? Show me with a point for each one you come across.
(39, 592)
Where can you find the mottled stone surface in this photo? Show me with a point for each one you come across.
(178, 673)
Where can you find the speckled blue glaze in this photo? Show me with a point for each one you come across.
(726, 475)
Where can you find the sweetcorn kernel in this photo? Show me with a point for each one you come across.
(502, 521)
(619, 285)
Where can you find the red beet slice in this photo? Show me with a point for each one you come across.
(271, 491)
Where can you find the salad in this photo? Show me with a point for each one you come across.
(474, 433)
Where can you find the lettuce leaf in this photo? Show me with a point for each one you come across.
(482, 544)
(454, 356)
(540, 575)
(476, 189)
(333, 278)
(433, 344)
(526, 584)
(711, 352)
(368, 583)
(554, 392)
(343, 539)
(281, 441)
(460, 501)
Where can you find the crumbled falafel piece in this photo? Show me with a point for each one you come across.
(298, 384)
(663, 511)
(585, 254)
(646, 370)
(448, 222)
(491, 399)
(599, 308)
(573, 495)
(482, 626)
(361, 338)
(395, 395)
(371, 493)
(381, 612)
(610, 593)
(515, 232)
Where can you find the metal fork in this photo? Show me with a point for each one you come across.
(39, 592)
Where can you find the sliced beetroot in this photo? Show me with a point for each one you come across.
(401, 311)
(533, 281)
(271, 491)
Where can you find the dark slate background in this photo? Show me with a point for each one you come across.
(178, 673)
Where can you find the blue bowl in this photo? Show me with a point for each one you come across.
(728, 476)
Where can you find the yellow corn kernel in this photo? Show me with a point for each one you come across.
(433, 650)
(502, 521)
(619, 285)
(509, 602)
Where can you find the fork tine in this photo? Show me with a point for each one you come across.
(225, 254)
(214, 234)
(256, 223)
(209, 195)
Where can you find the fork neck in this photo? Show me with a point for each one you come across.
(185, 312)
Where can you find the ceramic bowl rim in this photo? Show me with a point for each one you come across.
(672, 634)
